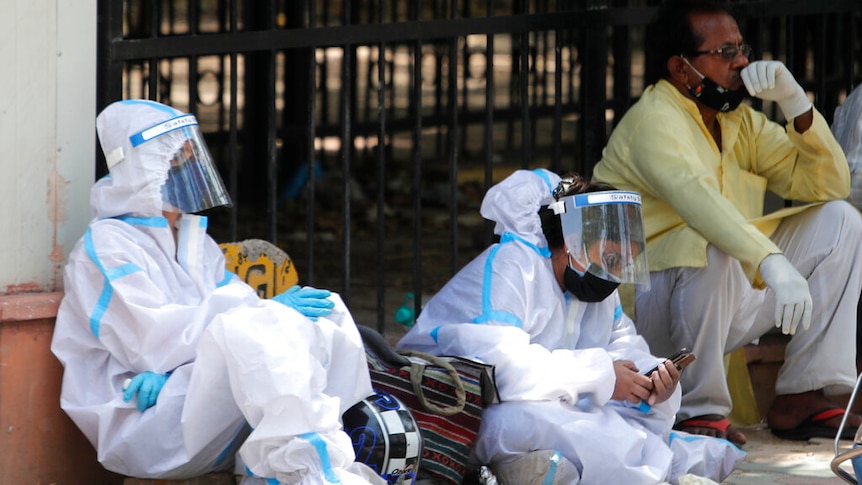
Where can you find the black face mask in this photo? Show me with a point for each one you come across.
(589, 287)
(715, 96)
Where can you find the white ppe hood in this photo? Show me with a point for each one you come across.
(243, 373)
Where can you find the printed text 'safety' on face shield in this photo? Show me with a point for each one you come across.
(193, 183)
(604, 235)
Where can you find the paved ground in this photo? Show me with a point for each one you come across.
(774, 461)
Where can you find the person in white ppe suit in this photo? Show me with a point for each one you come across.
(171, 363)
(542, 306)
(847, 128)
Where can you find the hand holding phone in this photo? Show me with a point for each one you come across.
(680, 359)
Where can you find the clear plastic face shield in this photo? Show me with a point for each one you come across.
(193, 183)
(604, 235)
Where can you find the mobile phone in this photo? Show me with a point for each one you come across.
(680, 359)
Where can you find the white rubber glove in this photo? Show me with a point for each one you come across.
(771, 81)
(792, 296)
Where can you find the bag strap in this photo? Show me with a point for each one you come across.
(417, 370)
(375, 343)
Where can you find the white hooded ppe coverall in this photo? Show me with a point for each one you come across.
(136, 300)
(554, 358)
(847, 128)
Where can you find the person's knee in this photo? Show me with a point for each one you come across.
(845, 214)
(847, 222)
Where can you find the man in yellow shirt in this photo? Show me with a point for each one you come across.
(722, 273)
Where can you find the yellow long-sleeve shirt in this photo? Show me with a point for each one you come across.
(694, 194)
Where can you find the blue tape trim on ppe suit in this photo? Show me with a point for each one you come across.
(611, 198)
(498, 316)
(543, 174)
(269, 481)
(226, 452)
(618, 312)
(511, 236)
(552, 469)
(162, 107)
(105, 296)
(109, 275)
(320, 446)
(155, 221)
(433, 333)
(641, 406)
(181, 122)
(137, 138)
(488, 313)
(694, 437)
(172, 112)
(121, 271)
(227, 277)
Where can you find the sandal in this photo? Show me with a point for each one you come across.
(813, 427)
(719, 426)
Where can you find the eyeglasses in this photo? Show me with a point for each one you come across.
(727, 52)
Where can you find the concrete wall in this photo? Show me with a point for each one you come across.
(47, 137)
(47, 154)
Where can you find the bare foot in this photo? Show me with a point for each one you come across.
(713, 425)
(809, 414)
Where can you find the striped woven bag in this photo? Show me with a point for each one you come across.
(446, 396)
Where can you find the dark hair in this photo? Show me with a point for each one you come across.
(670, 34)
(551, 225)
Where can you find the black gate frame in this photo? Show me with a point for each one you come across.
(819, 41)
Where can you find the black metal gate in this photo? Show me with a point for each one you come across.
(360, 135)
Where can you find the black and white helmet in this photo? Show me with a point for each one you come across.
(385, 437)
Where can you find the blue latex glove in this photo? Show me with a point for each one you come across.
(147, 386)
(309, 301)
